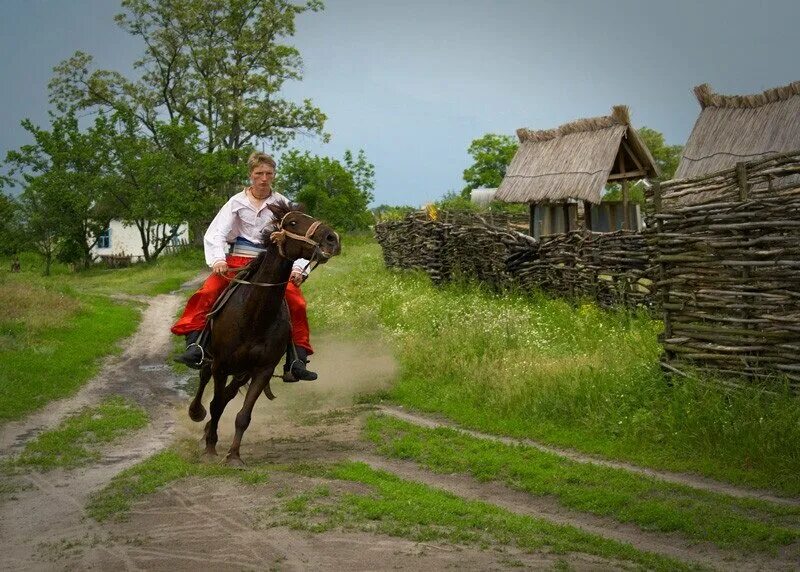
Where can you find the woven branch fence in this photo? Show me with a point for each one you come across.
(611, 268)
(727, 248)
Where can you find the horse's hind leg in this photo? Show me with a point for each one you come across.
(196, 410)
(257, 385)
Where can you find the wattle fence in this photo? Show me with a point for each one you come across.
(611, 268)
(727, 248)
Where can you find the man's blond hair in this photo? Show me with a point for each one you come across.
(258, 158)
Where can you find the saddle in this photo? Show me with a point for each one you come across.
(243, 275)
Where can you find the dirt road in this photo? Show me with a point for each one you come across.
(219, 524)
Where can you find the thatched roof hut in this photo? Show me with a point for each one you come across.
(576, 160)
(737, 128)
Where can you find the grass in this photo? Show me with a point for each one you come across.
(571, 375)
(74, 442)
(54, 330)
(394, 506)
(618, 494)
(421, 513)
(152, 474)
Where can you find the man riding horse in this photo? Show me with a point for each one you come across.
(232, 240)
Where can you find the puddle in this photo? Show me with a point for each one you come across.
(154, 367)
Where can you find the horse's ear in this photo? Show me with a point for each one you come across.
(299, 207)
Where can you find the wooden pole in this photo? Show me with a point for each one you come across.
(626, 224)
(662, 272)
(744, 193)
(626, 217)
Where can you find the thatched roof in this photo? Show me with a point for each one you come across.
(576, 160)
(735, 128)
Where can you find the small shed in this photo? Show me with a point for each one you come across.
(733, 129)
(557, 169)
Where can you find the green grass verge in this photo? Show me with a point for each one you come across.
(73, 443)
(53, 330)
(395, 507)
(603, 491)
(56, 361)
(571, 375)
(163, 275)
(421, 513)
(152, 474)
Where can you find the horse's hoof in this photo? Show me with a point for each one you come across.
(209, 456)
(197, 413)
(235, 462)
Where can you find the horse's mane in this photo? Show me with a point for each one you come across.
(280, 209)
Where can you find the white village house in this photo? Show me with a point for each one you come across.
(122, 239)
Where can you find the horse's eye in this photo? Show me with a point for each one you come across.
(293, 223)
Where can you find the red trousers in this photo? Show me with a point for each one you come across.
(194, 315)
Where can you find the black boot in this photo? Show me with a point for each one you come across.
(295, 368)
(193, 356)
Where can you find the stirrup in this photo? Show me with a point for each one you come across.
(289, 375)
(191, 364)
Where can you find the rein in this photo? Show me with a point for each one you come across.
(279, 237)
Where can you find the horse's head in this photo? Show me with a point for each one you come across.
(302, 236)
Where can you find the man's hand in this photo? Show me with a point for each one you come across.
(296, 277)
(219, 267)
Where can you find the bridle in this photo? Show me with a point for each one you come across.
(280, 236)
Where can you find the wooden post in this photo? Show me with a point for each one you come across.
(744, 194)
(741, 175)
(626, 217)
(621, 164)
(662, 272)
(587, 215)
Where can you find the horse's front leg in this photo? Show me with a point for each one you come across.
(196, 410)
(217, 406)
(257, 385)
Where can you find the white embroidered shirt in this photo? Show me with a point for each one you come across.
(238, 217)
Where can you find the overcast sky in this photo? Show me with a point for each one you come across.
(414, 82)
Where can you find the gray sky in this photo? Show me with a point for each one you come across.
(412, 83)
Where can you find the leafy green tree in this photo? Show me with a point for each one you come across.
(11, 236)
(220, 64)
(67, 181)
(491, 156)
(159, 186)
(666, 156)
(338, 193)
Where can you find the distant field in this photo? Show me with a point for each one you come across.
(571, 375)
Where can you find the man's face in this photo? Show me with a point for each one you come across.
(261, 178)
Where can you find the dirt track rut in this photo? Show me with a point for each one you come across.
(219, 524)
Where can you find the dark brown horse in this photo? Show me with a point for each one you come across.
(251, 331)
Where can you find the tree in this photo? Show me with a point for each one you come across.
(337, 193)
(666, 156)
(158, 187)
(10, 235)
(67, 181)
(491, 154)
(219, 64)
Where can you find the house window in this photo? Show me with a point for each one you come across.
(104, 240)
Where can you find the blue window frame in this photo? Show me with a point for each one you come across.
(104, 240)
